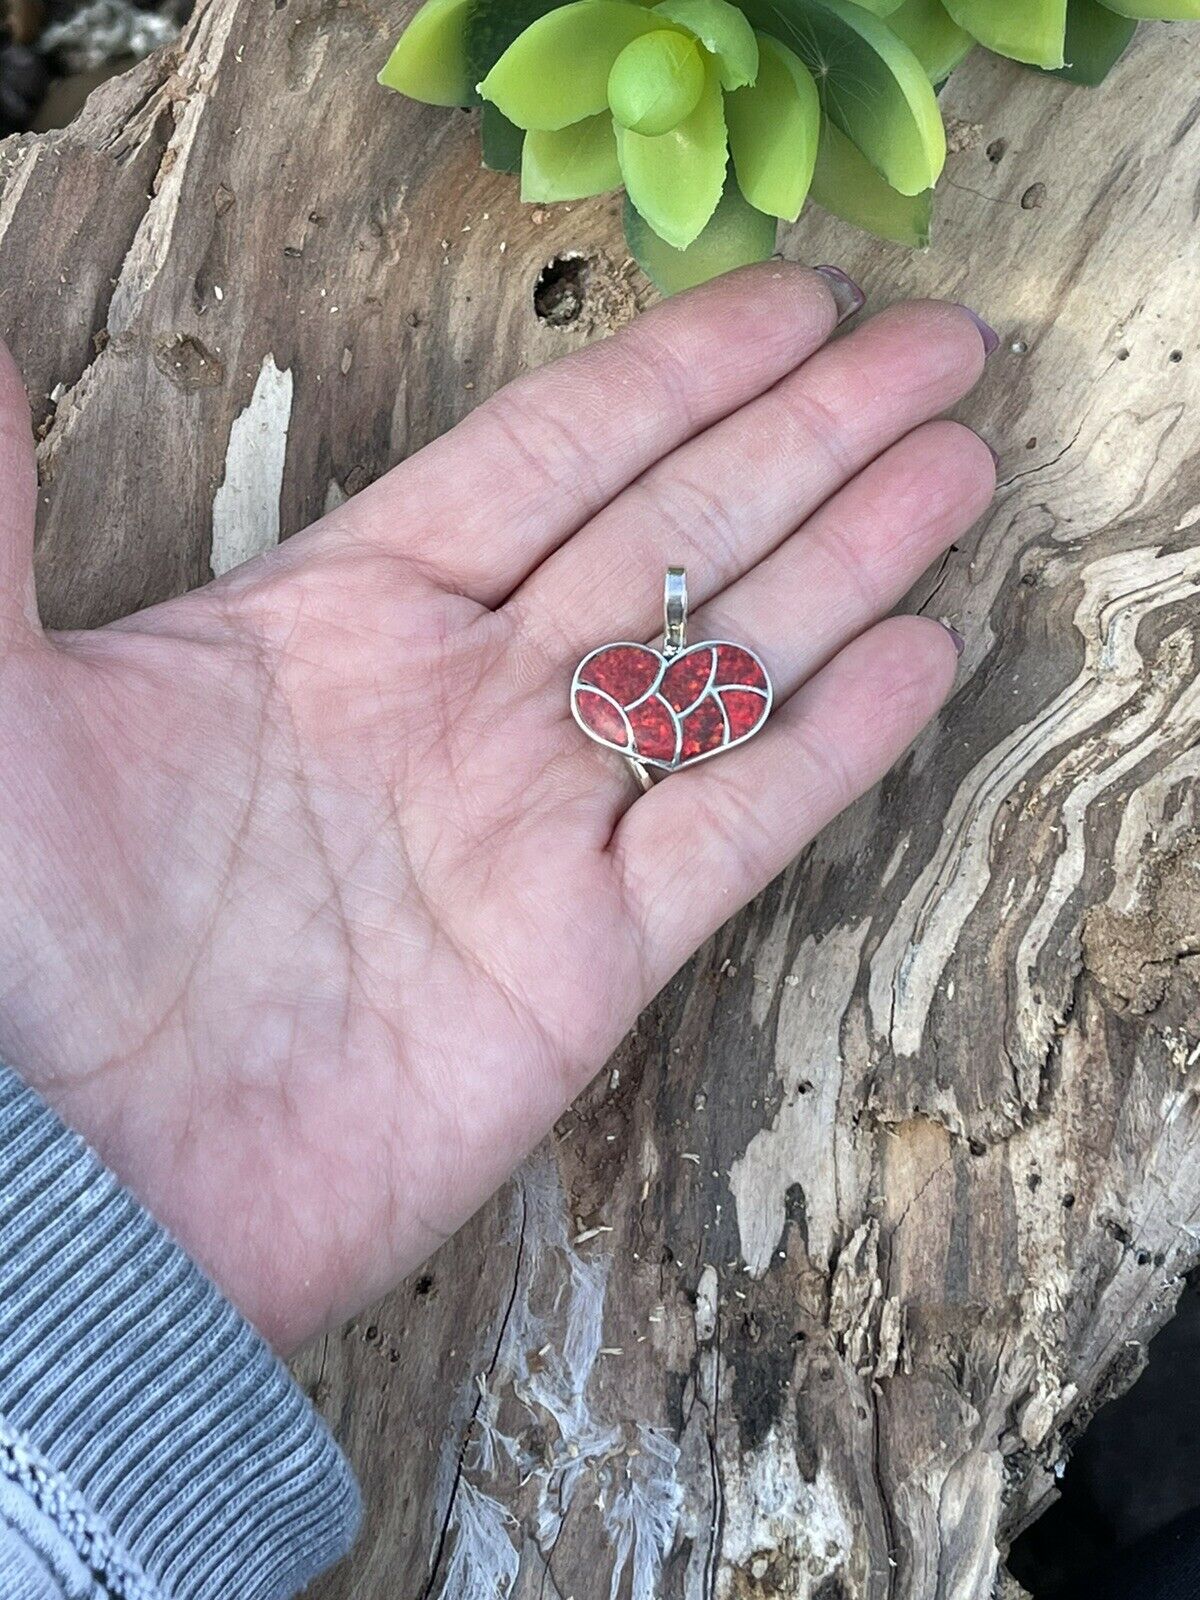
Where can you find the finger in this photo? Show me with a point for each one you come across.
(18, 501)
(723, 501)
(706, 840)
(481, 507)
(858, 556)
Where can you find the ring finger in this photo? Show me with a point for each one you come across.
(856, 557)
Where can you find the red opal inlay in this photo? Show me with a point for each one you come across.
(625, 671)
(743, 709)
(670, 713)
(686, 679)
(655, 731)
(704, 729)
(602, 717)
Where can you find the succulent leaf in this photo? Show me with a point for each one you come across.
(571, 163)
(430, 61)
(675, 179)
(557, 71)
(656, 81)
(1096, 40)
(720, 117)
(1027, 30)
(736, 235)
(845, 183)
(871, 84)
(502, 141)
(1164, 10)
(492, 25)
(450, 44)
(932, 35)
(774, 128)
(723, 31)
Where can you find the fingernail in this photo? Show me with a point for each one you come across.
(960, 644)
(991, 339)
(846, 293)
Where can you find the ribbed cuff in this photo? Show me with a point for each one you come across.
(145, 1391)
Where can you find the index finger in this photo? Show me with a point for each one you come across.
(481, 507)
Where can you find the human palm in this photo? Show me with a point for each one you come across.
(320, 907)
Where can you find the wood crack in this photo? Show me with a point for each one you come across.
(447, 1520)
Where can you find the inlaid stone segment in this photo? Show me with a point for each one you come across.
(703, 729)
(625, 671)
(688, 676)
(738, 666)
(602, 717)
(655, 730)
(743, 709)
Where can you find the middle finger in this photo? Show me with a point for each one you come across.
(722, 502)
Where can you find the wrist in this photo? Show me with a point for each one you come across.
(125, 1372)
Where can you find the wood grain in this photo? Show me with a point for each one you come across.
(814, 1288)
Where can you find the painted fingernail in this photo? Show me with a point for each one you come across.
(847, 294)
(960, 644)
(991, 339)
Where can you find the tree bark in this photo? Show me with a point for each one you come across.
(813, 1290)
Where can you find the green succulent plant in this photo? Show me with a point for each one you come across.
(720, 120)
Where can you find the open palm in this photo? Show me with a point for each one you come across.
(319, 905)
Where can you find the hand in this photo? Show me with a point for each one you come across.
(319, 908)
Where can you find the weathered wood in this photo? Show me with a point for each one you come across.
(816, 1285)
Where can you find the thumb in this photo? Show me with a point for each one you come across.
(18, 503)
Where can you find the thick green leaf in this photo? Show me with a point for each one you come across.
(880, 8)
(1096, 40)
(736, 235)
(933, 36)
(571, 163)
(871, 84)
(774, 129)
(1027, 30)
(557, 71)
(430, 61)
(676, 179)
(723, 31)
(1166, 10)
(846, 183)
(502, 141)
(493, 25)
(451, 44)
(656, 81)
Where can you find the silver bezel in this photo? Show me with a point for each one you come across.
(664, 662)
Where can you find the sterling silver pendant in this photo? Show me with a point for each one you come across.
(669, 708)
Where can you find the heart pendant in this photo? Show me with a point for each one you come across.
(672, 707)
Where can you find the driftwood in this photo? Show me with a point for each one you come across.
(815, 1287)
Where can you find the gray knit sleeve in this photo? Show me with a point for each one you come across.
(151, 1446)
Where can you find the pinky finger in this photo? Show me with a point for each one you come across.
(704, 842)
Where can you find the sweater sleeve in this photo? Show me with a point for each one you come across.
(151, 1446)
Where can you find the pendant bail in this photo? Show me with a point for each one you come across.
(675, 611)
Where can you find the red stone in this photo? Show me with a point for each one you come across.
(686, 679)
(655, 730)
(602, 717)
(703, 729)
(738, 666)
(744, 709)
(625, 671)
(702, 701)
